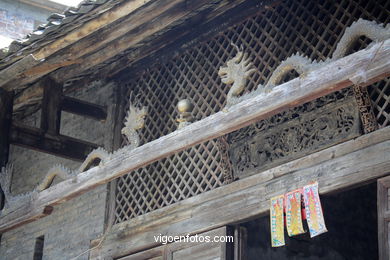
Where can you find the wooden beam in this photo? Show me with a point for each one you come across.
(83, 108)
(177, 13)
(341, 166)
(37, 212)
(201, 28)
(104, 20)
(373, 64)
(51, 107)
(58, 145)
(192, 28)
(154, 18)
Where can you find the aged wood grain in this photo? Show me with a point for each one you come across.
(174, 37)
(164, 18)
(285, 96)
(338, 167)
(100, 46)
(105, 19)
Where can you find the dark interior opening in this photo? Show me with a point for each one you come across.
(351, 220)
(38, 250)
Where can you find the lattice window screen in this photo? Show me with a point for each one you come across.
(380, 98)
(380, 91)
(310, 27)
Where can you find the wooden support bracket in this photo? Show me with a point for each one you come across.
(374, 63)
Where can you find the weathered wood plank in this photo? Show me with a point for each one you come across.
(152, 18)
(104, 20)
(201, 28)
(288, 95)
(83, 108)
(335, 168)
(178, 11)
(36, 212)
(59, 145)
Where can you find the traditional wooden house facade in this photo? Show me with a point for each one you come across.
(126, 122)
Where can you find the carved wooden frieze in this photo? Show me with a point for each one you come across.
(289, 135)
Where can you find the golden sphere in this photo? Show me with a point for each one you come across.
(184, 105)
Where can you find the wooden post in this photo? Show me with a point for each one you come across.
(119, 115)
(6, 102)
(51, 107)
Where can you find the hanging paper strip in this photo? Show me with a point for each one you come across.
(294, 213)
(314, 215)
(277, 221)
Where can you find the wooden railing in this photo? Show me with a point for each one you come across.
(364, 67)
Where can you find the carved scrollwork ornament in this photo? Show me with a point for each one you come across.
(223, 147)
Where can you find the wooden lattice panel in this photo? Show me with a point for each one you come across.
(184, 174)
(312, 28)
(380, 98)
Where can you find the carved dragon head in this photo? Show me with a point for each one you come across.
(238, 69)
(135, 117)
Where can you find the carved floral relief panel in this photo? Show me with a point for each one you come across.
(295, 133)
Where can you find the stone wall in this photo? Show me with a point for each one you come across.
(72, 225)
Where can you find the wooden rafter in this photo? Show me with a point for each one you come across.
(156, 19)
(364, 67)
(104, 20)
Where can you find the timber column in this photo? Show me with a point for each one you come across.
(6, 103)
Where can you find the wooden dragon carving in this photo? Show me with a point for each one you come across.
(239, 69)
(134, 121)
(236, 73)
